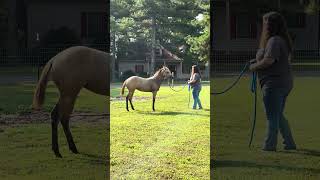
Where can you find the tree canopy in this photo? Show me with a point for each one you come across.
(176, 26)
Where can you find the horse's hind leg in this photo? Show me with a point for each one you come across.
(130, 99)
(154, 94)
(127, 98)
(54, 130)
(66, 108)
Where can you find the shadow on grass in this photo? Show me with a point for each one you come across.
(93, 158)
(171, 113)
(308, 152)
(246, 164)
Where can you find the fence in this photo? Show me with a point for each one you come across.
(227, 62)
(25, 64)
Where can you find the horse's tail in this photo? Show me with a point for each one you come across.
(39, 94)
(123, 87)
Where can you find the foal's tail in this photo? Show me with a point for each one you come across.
(39, 94)
(123, 87)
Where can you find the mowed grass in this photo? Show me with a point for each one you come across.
(25, 150)
(171, 143)
(231, 126)
(18, 97)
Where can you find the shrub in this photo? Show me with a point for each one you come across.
(143, 74)
(60, 37)
(125, 75)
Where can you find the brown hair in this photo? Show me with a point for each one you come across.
(274, 24)
(195, 69)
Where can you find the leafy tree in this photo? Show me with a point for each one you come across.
(200, 44)
(131, 21)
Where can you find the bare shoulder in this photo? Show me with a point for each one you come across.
(275, 39)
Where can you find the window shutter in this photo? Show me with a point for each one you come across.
(233, 22)
(84, 25)
(253, 27)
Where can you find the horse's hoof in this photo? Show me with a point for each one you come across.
(128, 110)
(58, 155)
(75, 151)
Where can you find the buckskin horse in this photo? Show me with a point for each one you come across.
(151, 84)
(71, 70)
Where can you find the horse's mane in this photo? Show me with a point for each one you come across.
(157, 73)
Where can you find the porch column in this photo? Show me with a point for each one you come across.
(179, 71)
(12, 29)
(228, 19)
(318, 18)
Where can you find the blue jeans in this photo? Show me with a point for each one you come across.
(196, 100)
(274, 102)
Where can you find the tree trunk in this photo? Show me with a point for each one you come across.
(153, 45)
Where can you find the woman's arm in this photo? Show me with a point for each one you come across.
(264, 63)
(192, 80)
(271, 55)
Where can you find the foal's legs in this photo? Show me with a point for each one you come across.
(130, 99)
(154, 94)
(127, 98)
(54, 130)
(66, 108)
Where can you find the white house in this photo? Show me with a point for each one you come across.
(141, 64)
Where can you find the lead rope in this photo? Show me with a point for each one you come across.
(235, 82)
(253, 90)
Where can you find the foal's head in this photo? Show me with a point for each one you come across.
(164, 72)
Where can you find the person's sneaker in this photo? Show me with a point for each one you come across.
(200, 107)
(290, 148)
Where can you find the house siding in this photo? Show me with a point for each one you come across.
(306, 38)
(220, 34)
(44, 16)
(125, 66)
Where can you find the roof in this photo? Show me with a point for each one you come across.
(140, 51)
(166, 55)
(67, 1)
(169, 55)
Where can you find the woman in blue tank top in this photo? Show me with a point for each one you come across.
(195, 83)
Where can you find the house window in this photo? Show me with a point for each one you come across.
(3, 22)
(158, 52)
(94, 24)
(243, 25)
(139, 68)
(173, 69)
(295, 20)
(186, 69)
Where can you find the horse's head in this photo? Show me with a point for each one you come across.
(165, 72)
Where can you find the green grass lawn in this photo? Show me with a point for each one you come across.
(170, 143)
(231, 126)
(25, 150)
(17, 98)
